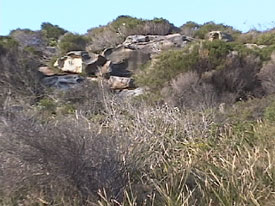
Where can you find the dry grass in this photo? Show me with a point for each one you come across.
(137, 154)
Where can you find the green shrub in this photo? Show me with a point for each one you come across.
(72, 42)
(211, 26)
(125, 21)
(7, 43)
(189, 28)
(206, 57)
(168, 64)
(52, 31)
(266, 38)
(48, 105)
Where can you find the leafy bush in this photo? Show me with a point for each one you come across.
(189, 28)
(211, 26)
(266, 38)
(7, 43)
(52, 32)
(219, 72)
(199, 58)
(166, 66)
(71, 42)
(19, 79)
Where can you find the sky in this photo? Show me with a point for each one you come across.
(81, 15)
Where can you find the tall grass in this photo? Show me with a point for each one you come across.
(135, 154)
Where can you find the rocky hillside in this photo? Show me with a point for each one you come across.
(137, 112)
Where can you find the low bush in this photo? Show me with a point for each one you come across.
(204, 29)
(267, 76)
(58, 161)
(199, 58)
(219, 72)
(19, 78)
(72, 42)
(189, 28)
(52, 32)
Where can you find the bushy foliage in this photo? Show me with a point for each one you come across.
(52, 32)
(166, 66)
(19, 78)
(204, 29)
(189, 28)
(259, 38)
(116, 31)
(146, 156)
(88, 146)
(200, 58)
(67, 159)
(71, 42)
(7, 43)
(218, 72)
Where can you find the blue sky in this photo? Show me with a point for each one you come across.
(79, 16)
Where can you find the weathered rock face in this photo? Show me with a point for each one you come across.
(124, 60)
(136, 50)
(81, 62)
(155, 43)
(120, 82)
(115, 65)
(94, 64)
(63, 82)
(218, 35)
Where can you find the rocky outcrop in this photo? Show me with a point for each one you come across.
(124, 60)
(114, 65)
(136, 50)
(119, 83)
(219, 35)
(156, 43)
(81, 62)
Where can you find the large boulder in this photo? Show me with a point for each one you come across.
(125, 60)
(81, 62)
(219, 35)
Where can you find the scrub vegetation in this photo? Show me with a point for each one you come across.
(202, 134)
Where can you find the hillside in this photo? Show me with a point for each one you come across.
(137, 112)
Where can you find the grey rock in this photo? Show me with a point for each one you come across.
(119, 83)
(63, 81)
(126, 93)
